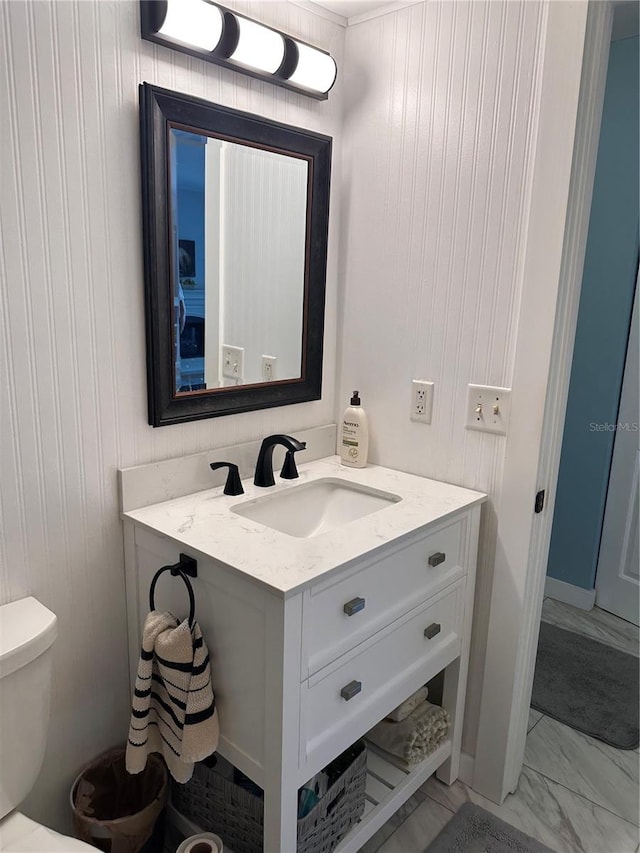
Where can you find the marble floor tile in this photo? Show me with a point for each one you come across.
(595, 623)
(556, 816)
(601, 773)
(534, 717)
(386, 830)
(418, 831)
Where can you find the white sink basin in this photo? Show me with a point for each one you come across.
(313, 508)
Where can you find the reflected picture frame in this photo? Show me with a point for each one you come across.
(187, 260)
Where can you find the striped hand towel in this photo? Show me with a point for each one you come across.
(173, 710)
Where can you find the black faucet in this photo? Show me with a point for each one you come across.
(264, 465)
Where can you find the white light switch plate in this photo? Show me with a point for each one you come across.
(233, 362)
(488, 408)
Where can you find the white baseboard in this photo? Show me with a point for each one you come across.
(570, 594)
(465, 771)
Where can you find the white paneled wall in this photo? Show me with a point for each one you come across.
(72, 363)
(264, 195)
(440, 112)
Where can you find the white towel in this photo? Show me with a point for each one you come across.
(416, 737)
(408, 706)
(173, 710)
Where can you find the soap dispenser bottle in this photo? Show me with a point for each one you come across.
(354, 443)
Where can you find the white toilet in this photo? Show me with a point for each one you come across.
(27, 632)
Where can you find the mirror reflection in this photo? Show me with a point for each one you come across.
(239, 220)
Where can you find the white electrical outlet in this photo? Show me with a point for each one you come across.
(269, 368)
(421, 401)
(488, 408)
(233, 362)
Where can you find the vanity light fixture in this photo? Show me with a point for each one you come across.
(212, 32)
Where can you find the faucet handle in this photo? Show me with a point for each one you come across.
(233, 486)
(289, 469)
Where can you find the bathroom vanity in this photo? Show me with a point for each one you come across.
(315, 636)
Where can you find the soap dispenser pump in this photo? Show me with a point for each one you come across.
(354, 444)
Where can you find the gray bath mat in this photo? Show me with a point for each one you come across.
(474, 830)
(586, 685)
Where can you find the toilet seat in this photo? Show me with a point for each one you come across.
(20, 834)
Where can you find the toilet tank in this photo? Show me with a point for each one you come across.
(27, 632)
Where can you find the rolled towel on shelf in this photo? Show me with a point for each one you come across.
(416, 737)
(408, 706)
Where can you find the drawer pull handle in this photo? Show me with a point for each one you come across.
(437, 558)
(352, 689)
(432, 630)
(354, 606)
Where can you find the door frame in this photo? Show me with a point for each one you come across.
(576, 54)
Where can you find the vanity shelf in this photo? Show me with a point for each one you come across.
(315, 640)
(388, 787)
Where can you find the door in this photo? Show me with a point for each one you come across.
(618, 573)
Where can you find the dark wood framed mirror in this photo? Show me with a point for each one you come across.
(235, 222)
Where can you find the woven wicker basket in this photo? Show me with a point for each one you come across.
(217, 804)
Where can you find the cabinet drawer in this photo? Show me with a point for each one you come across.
(343, 701)
(339, 614)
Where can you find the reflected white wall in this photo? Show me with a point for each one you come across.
(264, 220)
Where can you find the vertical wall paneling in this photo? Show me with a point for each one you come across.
(265, 196)
(439, 124)
(72, 363)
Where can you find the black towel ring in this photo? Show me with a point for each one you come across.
(186, 567)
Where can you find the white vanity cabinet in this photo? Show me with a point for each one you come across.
(300, 673)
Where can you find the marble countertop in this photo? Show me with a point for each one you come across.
(204, 522)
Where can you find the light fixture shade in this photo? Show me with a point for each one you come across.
(315, 70)
(194, 22)
(258, 47)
